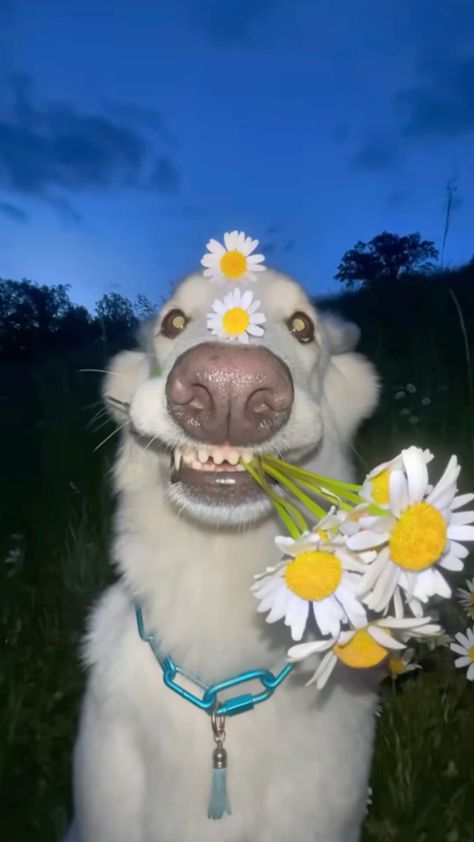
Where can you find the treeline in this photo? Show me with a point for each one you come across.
(36, 320)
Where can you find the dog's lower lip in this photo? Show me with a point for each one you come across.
(238, 485)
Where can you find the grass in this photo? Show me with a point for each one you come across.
(56, 512)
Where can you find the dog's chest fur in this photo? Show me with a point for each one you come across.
(296, 748)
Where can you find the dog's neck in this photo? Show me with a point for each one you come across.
(192, 580)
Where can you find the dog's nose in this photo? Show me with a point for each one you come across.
(219, 393)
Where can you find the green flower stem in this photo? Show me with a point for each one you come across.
(315, 482)
(304, 499)
(310, 475)
(278, 503)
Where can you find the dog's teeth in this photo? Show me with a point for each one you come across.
(247, 456)
(218, 457)
(233, 457)
(177, 458)
(203, 454)
(188, 455)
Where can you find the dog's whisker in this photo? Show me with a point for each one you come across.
(113, 433)
(117, 401)
(100, 371)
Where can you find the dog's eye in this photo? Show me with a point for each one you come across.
(173, 323)
(301, 327)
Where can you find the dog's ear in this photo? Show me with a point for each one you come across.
(126, 371)
(351, 385)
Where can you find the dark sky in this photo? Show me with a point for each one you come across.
(131, 132)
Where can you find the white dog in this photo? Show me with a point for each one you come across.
(191, 531)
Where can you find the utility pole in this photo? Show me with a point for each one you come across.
(451, 189)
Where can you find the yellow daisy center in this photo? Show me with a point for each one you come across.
(395, 665)
(233, 263)
(470, 653)
(361, 651)
(418, 538)
(235, 320)
(313, 574)
(380, 493)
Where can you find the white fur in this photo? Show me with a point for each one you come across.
(299, 762)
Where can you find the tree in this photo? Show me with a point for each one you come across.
(36, 318)
(116, 316)
(386, 257)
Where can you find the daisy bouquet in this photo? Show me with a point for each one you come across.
(356, 586)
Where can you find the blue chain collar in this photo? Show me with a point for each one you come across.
(208, 700)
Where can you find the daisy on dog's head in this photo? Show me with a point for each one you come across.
(233, 261)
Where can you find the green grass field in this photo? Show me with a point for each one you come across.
(56, 511)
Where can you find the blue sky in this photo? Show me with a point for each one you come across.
(132, 132)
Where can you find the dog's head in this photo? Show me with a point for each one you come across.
(204, 403)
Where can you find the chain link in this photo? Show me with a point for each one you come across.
(208, 700)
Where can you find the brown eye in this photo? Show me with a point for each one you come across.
(173, 323)
(301, 326)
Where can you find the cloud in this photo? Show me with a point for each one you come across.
(46, 148)
(443, 104)
(138, 115)
(165, 176)
(231, 20)
(13, 212)
(377, 153)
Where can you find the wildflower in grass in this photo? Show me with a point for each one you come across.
(404, 411)
(400, 664)
(464, 647)
(364, 647)
(419, 534)
(414, 419)
(426, 401)
(318, 576)
(399, 395)
(466, 597)
(411, 388)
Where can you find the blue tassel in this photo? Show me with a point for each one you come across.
(218, 799)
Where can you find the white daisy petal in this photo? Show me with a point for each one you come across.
(385, 640)
(464, 661)
(303, 650)
(255, 330)
(458, 549)
(451, 562)
(398, 492)
(460, 532)
(366, 539)
(297, 617)
(215, 247)
(417, 473)
(324, 670)
(470, 673)
(463, 517)
(461, 500)
(460, 650)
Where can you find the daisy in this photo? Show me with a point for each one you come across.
(466, 597)
(236, 317)
(375, 488)
(418, 535)
(317, 576)
(361, 648)
(465, 648)
(438, 640)
(234, 260)
(400, 664)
